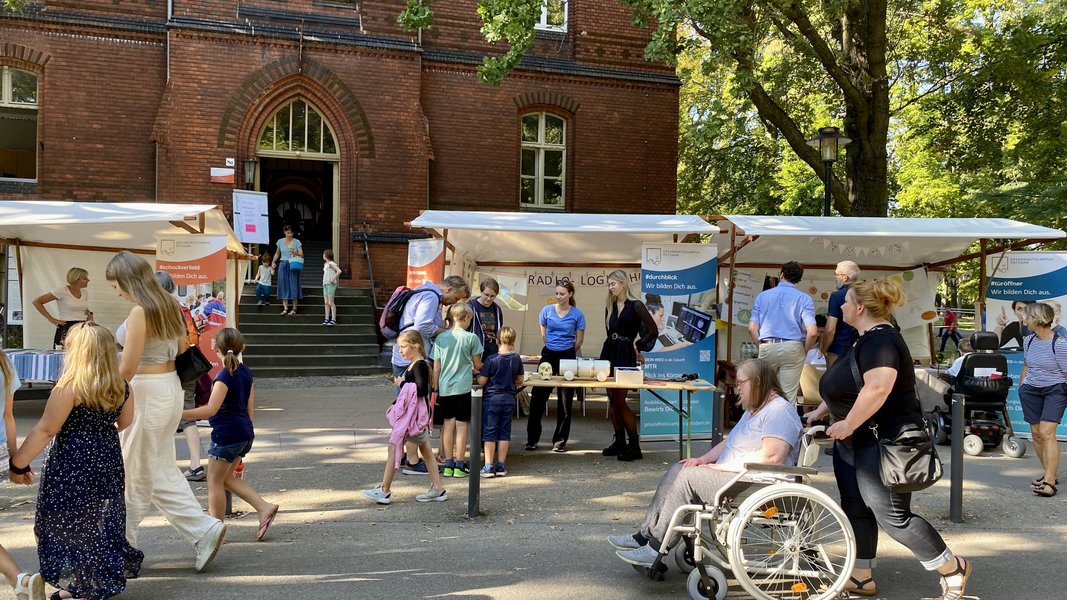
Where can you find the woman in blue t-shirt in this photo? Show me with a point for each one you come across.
(563, 329)
(230, 413)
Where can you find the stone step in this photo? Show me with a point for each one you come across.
(356, 332)
(317, 371)
(304, 316)
(249, 290)
(343, 303)
(369, 357)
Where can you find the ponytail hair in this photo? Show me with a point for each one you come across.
(567, 285)
(230, 343)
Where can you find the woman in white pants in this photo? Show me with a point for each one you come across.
(152, 335)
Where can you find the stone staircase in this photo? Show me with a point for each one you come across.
(301, 346)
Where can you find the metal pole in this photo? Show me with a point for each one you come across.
(955, 502)
(826, 187)
(475, 435)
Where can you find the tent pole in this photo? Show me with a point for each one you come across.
(3, 294)
(18, 272)
(236, 297)
(980, 317)
(730, 295)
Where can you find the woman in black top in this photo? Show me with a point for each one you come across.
(888, 401)
(624, 316)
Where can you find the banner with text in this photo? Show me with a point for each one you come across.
(250, 219)
(683, 276)
(426, 261)
(199, 261)
(1017, 279)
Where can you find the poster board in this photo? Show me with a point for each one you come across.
(683, 276)
(250, 218)
(198, 262)
(426, 261)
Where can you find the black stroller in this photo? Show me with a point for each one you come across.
(985, 401)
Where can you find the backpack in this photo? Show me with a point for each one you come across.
(389, 323)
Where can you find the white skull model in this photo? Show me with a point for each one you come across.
(545, 369)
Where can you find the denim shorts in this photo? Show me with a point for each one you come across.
(496, 422)
(229, 452)
(1043, 404)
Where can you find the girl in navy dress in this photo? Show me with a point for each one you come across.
(81, 507)
(230, 410)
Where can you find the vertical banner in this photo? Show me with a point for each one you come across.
(1017, 279)
(683, 276)
(426, 261)
(199, 261)
(250, 221)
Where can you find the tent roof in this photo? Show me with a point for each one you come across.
(870, 241)
(522, 237)
(119, 226)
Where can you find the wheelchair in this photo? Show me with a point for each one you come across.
(780, 538)
(986, 421)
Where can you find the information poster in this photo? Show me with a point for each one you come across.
(199, 261)
(250, 220)
(426, 261)
(683, 277)
(1018, 279)
(918, 309)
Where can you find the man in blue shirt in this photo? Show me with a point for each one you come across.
(839, 335)
(783, 324)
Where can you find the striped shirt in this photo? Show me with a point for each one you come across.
(1044, 367)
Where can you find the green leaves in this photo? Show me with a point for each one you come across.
(416, 15)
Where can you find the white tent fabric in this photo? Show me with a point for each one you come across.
(870, 241)
(520, 237)
(59, 235)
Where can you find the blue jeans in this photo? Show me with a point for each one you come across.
(229, 452)
(869, 505)
(262, 292)
(496, 422)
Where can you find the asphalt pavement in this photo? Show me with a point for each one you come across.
(542, 528)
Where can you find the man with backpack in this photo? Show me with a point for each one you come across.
(421, 311)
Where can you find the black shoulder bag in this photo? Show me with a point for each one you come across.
(908, 462)
(191, 364)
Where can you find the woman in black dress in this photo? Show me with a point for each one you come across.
(623, 317)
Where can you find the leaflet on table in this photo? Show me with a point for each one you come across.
(682, 278)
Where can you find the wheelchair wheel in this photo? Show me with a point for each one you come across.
(1013, 447)
(683, 557)
(972, 444)
(938, 430)
(697, 589)
(791, 541)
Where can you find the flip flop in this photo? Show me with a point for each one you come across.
(265, 525)
(858, 588)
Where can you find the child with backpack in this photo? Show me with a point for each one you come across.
(500, 375)
(230, 410)
(409, 417)
(330, 273)
(457, 357)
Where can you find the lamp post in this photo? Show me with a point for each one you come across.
(250, 172)
(827, 142)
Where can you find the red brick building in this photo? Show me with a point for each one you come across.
(350, 118)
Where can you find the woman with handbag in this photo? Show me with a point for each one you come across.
(885, 402)
(1043, 393)
(151, 338)
(288, 264)
(624, 316)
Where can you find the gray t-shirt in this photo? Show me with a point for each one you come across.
(778, 419)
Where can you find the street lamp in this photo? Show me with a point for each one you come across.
(250, 172)
(827, 143)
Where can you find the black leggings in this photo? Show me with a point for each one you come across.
(539, 400)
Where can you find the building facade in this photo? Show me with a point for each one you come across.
(351, 120)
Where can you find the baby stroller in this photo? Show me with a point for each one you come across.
(986, 421)
(780, 538)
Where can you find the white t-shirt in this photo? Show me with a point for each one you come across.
(778, 419)
(71, 308)
(329, 272)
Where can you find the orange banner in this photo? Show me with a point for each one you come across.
(426, 261)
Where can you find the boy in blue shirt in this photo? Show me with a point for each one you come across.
(499, 376)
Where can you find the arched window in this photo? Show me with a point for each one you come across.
(297, 128)
(543, 161)
(553, 16)
(18, 124)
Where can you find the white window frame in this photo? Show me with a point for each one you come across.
(540, 146)
(326, 127)
(6, 102)
(542, 21)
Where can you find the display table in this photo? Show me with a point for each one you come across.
(685, 391)
(37, 365)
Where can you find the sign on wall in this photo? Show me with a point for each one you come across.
(683, 277)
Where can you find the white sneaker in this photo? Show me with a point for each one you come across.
(378, 494)
(623, 542)
(641, 557)
(208, 546)
(433, 495)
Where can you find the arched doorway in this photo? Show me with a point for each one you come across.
(298, 168)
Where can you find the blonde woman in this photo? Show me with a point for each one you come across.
(1043, 393)
(623, 316)
(81, 515)
(151, 337)
(73, 303)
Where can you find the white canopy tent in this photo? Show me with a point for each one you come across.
(51, 237)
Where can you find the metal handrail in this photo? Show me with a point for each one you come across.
(370, 267)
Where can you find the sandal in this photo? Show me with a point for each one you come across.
(955, 592)
(285, 311)
(1045, 490)
(1041, 480)
(855, 587)
(33, 588)
(265, 525)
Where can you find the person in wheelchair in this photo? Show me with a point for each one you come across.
(768, 432)
(873, 383)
